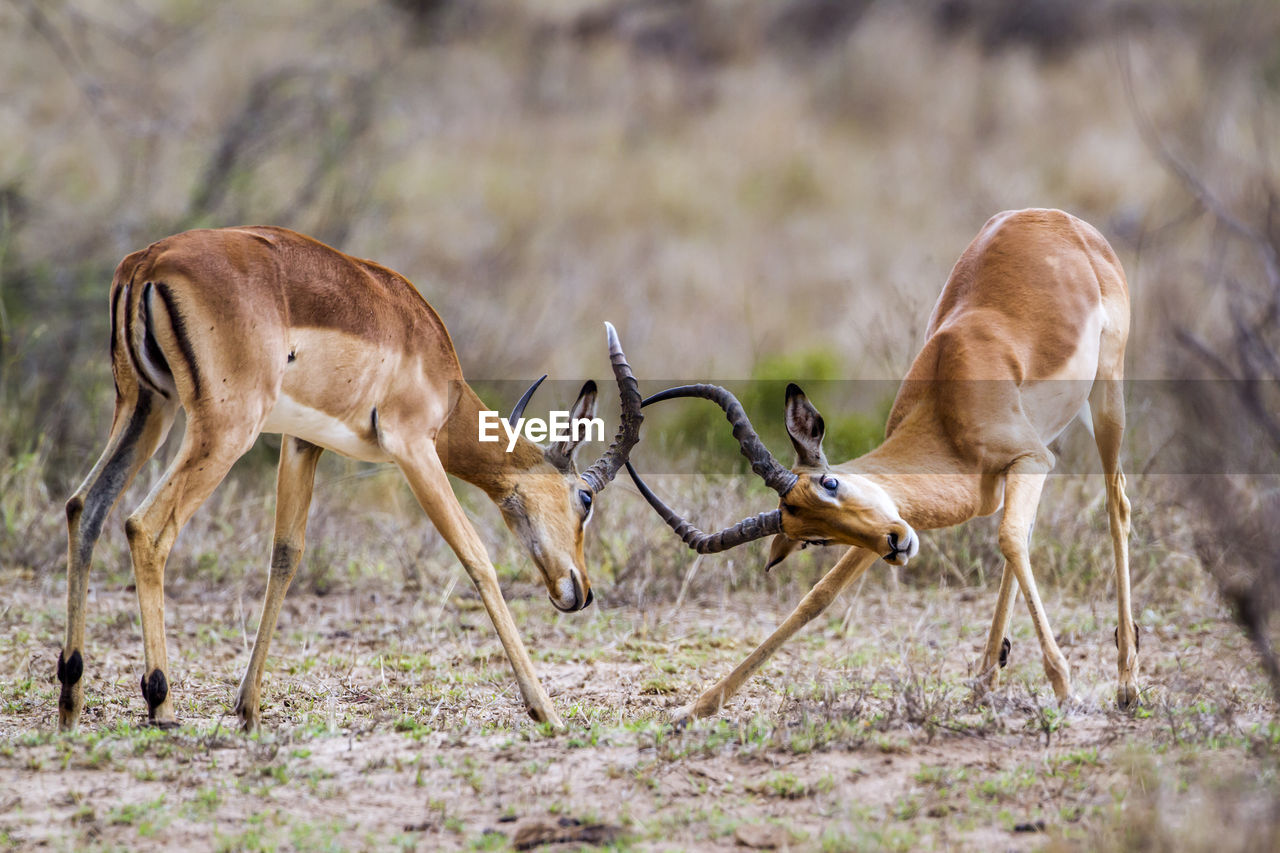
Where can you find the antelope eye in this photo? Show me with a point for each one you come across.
(830, 483)
(585, 497)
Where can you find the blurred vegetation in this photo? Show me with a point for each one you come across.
(1234, 450)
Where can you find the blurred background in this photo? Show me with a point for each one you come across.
(749, 189)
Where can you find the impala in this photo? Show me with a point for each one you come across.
(253, 330)
(1029, 333)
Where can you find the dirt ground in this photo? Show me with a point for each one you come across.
(391, 721)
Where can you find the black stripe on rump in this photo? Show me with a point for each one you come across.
(115, 333)
(151, 347)
(115, 311)
(180, 332)
(127, 292)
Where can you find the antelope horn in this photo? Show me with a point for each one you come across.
(775, 475)
(747, 530)
(524, 401)
(604, 469)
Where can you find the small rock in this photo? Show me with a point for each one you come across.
(564, 831)
(762, 836)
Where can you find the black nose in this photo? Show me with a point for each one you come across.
(591, 596)
(893, 542)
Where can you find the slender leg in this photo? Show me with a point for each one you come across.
(1107, 404)
(994, 656)
(294, 483)
(430, 484)
(139, 427)
(205, 457)
(1023, 484)
(852, 564)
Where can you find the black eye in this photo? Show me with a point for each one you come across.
(585, 497)
(830, 483)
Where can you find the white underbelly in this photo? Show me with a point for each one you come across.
(290, 417)
(1051, 403)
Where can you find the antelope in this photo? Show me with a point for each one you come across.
(254, 330)
(1028, 333)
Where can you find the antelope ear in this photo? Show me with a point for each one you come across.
(806, 429)
(781, 548)
(561, 452)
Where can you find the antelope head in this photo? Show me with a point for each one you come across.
(549, 505)
(821, 504)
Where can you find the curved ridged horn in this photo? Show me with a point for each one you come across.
(775, 475)
(604, 469)
(747, 530)
(524, 401)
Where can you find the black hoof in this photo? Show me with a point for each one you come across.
(680, 723)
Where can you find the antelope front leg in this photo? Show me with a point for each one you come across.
(1023, 484)
(850, 567)
(995, 656)
(430, 485)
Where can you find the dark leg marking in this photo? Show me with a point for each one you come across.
(104, 491)
(69, 674)
(70, 671)
(301, 444)
(155, 689)
(293, 356)
(283, 557)
(1005, 646)
(180, 332)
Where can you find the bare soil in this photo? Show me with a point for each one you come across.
(391, 720)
